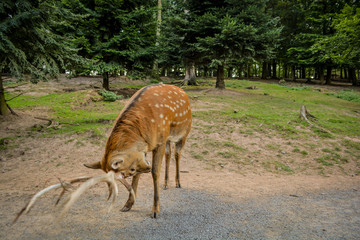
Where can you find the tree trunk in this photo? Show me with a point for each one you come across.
(274, 69)
(230, 72)
(293, 74)
(268, 74)
(345, 73)
(285, 71)
(206, 71)
(264, 70)
(328, 75)
(321, 75)
(3, 106)
(190, 78)
(352, 76)
(341, 73)
(105, 76)
(220, 83)
(240, 70)
(303, 72)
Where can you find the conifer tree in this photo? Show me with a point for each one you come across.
(28, 42)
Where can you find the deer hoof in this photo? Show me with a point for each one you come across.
(166, 187)
(178, 185)
(154, 215)
(125, 209)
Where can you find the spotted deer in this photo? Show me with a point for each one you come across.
(154, 117)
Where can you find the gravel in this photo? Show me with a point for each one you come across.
(189, 214)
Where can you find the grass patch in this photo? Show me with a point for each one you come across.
(348, 95)
(75, 109)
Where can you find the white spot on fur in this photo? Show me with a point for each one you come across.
(161, 116)
(152, 120)
(155, 94)
(157, 105)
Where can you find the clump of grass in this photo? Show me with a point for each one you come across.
(110, 96)
(283, 167)
(226, 154)
(348, 95)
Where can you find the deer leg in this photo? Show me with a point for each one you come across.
(158, 154)
(178, 147)
(132, 195)
(167, 163)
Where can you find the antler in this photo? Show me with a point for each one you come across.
(32, 201)
(109, 178)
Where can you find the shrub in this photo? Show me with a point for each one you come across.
(109, 96)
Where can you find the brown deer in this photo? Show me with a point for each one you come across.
(155, 116)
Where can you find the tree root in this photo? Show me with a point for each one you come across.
(305, 115)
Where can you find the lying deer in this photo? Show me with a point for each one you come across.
(155, 116)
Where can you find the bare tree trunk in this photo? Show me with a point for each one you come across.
(293, 74)
(220, 82)
(285, 71)
(230, 71)
(321, 75)
(3, 106)
(264, 70)
(274, 69)
(206, 71)
(352, 76)
(105, 76)
(303, 72)
(328, 75)
(190, 77)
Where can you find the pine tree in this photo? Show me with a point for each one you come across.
(117, 35)
(28, 42)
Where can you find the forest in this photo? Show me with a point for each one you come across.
(280, 39)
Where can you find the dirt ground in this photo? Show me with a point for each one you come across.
(213, 203)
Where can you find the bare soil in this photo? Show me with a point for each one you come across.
(213, 203)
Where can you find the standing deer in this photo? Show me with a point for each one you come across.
(155, 116)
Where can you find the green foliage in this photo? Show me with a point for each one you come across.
(29, 42)
(116, 35)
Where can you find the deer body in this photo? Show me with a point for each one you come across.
(155, 116)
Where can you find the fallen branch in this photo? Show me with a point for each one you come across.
(14, 97)
(53, 124)
(12, 111)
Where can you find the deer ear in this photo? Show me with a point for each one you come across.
(95, 165)
(116, 164)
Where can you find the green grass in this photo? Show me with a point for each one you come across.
(279, 109)
(268, 110)
(73, 110)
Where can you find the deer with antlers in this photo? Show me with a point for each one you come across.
(154, 117)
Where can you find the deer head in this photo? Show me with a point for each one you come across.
(125, 163)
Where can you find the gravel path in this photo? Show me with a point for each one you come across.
(189, 214)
